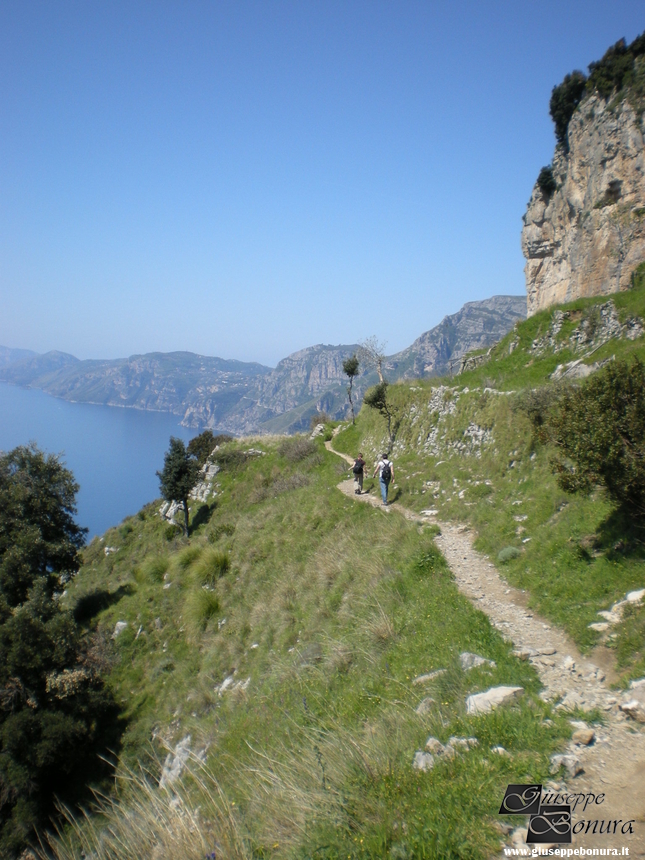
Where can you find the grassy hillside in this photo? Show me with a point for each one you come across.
(321, 613)
(466, 448)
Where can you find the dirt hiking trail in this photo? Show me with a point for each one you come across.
(614, 763)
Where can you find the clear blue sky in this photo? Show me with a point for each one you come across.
(245, 179)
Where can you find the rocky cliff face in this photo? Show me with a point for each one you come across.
(587, 237)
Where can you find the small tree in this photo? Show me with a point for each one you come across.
(372, 353)
(202, 446)
(377, 398)
(599, 429)
(350, 369)
(179, 476)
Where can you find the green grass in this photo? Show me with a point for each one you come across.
(330, 609)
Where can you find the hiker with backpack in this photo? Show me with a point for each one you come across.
(385, 471)
(357, 470)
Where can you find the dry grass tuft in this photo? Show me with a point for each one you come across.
(143, 822)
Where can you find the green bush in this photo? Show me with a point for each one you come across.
(565, 98)
(202, 446)
(201, 606)
(211, 566)
(154, 568)
(296, 449)
(219, 531)
(599, 430)
(508, 553)
(188, 556)
(546, 181)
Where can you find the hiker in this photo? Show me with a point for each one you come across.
(385, 471)
(357, 470)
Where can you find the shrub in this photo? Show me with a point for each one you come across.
(154, 568)
(202, 446)
(508, 553)
(538, 404)
(599, 429)
(296, 449)
(565, 98)
(201, 606)
(188, 556)
(546, 181)
(221, 530)
(609, 74)
(211, 566)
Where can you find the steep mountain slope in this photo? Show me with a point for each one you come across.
(584, 228)
(282, 645)
(10, 356)
(240, 397)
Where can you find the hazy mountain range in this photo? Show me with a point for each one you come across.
(245, 397)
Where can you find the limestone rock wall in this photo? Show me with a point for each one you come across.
(588, 237)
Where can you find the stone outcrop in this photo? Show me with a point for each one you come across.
(587, 237)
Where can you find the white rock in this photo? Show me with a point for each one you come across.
(423, 761)
(430, 676)
(599, 626)
(430, 512)
(634, 709)
(119, 627)
(524, 653)
(571, 701)
(175, 763)
(500, 751)
(425, 706)
(635, 596)
(483, 703)
(569, 662)
(636, 684)
(318, 430)
(435, 746)
(469, 661)
(462, 743)
(570, 762)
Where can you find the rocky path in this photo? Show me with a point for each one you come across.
(613, 764)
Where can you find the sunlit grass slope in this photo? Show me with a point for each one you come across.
(469, 453)
(321, 612)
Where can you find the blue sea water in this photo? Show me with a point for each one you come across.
(113, 453)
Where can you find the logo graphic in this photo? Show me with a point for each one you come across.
(551, 824)
(522, 800)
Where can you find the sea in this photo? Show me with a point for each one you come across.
(113, 453)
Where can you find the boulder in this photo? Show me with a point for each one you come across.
(583, 737)
(435, 746)
(634, 708)
(484, 703)
(423, 761)
(429, 676)
(175, 763)
(469, 661)
(425, 706)
(119, 627)
(635, 596)
(569, 762)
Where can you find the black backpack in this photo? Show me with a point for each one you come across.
(358, 468)
(386, 473)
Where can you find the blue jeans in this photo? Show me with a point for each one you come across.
(384, 486)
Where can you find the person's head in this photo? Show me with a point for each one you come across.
(360, 454)
(384, 456)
